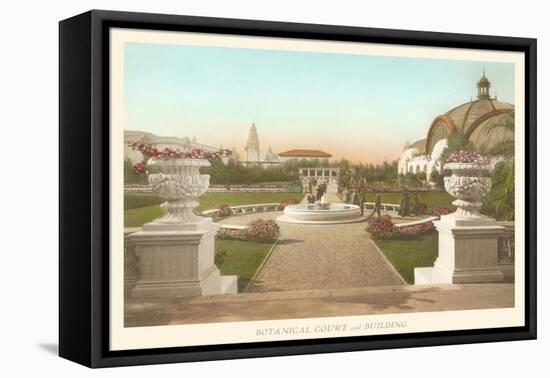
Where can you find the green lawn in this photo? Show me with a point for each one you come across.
(138, 217)
(141, 208)
(409, 253)
(241, 258)
(137, 200)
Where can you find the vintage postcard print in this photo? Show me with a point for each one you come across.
(278, 189)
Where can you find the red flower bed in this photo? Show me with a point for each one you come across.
(441, 211)
(258, 230)
(416, 229)
(383, 228)
(263, 230)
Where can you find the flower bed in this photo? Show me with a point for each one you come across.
(383, 228)
(258, 230)
(441, 211)
(417, 229)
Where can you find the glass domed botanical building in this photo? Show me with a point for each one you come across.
(477, 120)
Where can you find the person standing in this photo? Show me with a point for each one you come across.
(352, 199)
(362, 200)
(404, 208)
(415, 203)
(345, 195)
(377, 204)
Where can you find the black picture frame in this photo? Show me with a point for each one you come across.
(84, 190)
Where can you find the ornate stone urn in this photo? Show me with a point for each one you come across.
(468, 240)
(469, 183)
(175, 253)
(180, 183)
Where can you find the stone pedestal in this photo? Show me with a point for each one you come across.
(177, 260)
(468, 252)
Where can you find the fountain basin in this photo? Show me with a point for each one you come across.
(333, 213)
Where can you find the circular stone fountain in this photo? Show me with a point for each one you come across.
(321, 213)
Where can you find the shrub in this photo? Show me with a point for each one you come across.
(420, 208)
(500, 201)
(224, 211)
(284, 203)
(219, 257)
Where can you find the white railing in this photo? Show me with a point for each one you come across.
(384, 206)
(137, 188)
(506, 244)
(245, 209)
(248, 190)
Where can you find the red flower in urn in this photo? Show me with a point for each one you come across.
(149, 151)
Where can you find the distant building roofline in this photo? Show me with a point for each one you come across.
(305, 153)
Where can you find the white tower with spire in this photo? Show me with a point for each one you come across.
(252, 145)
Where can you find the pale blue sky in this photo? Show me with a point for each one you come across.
(354, 106)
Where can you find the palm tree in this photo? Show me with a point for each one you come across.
(499, 203)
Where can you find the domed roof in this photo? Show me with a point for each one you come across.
(270, 156)
(466, 115)
(488, 133)
(420, 145)
(467, 118)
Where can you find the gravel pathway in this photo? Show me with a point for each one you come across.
(324, 257)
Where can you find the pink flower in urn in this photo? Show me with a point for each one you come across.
(471, 157)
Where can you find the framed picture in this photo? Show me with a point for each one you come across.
(234, 188)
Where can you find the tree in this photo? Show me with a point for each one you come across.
(412, 180)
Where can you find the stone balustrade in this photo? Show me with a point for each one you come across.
(247, 190)
(506, 251)
(130, 264)
(245, 209)
(137, 188)
(384, 206)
